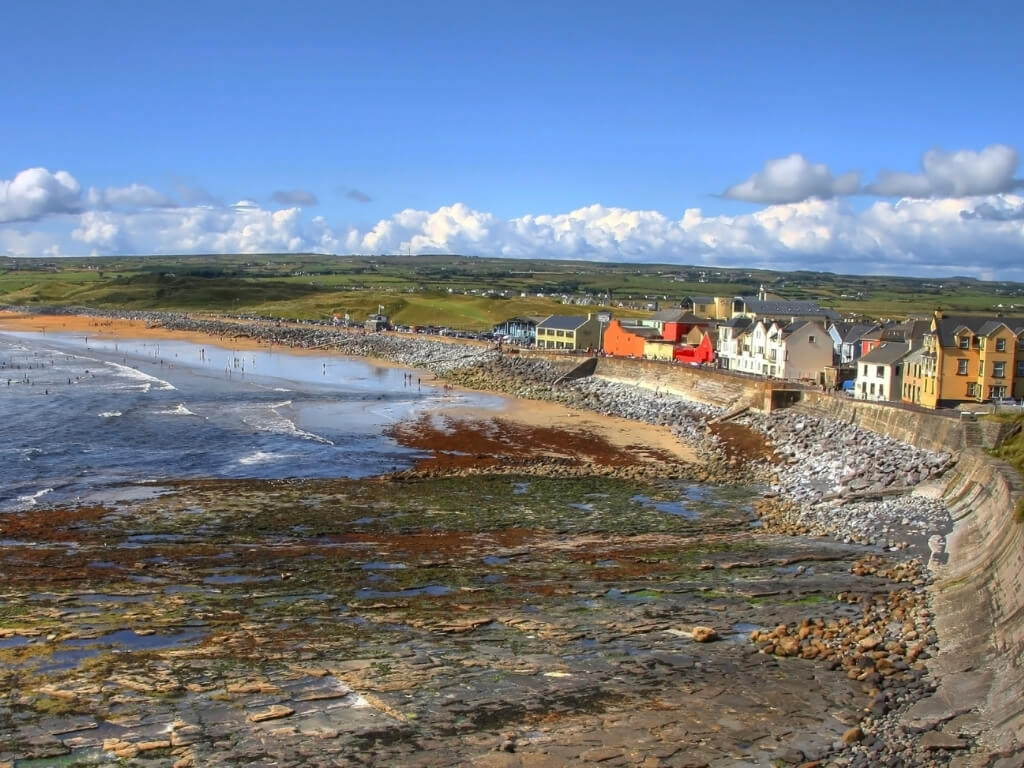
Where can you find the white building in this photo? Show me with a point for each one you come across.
(800, 350)
(880, 372)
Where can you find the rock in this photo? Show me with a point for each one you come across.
(703, 634)
(853, 735)
(271, 713)
(869, 643)
(149, 746)
(940, 740)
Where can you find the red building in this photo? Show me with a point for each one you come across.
(702, 353)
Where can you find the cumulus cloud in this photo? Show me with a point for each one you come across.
(792, 179)
(241, 228)
(294, 197)
(36, 192)
(1003, 208)
(954, 174)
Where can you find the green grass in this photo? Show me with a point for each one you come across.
(414, 289)
(1012, 449)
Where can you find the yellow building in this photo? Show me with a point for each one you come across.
(967, 359)
(569, 332)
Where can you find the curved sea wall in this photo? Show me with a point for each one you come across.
(978, 591)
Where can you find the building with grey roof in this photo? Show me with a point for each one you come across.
(880, 372)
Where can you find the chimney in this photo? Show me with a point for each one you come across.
(938, 314)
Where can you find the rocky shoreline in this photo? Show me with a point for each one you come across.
(822, 478)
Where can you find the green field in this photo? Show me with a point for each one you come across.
(461, 292)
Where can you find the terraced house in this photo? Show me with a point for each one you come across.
(967, 359)
(569, 332)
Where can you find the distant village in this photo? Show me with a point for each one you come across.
(933, 361)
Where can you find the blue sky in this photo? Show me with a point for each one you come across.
(575, 129)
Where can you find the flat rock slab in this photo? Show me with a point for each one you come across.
(272, 713)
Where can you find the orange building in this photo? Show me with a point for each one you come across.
(627, 340)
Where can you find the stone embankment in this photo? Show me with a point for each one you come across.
(840, 480)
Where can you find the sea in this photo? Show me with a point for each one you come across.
(88, 419)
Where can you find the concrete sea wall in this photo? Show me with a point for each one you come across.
(705, 385)
(978, 591)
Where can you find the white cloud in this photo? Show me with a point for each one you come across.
(36, 192)
(792, 179)
(983, 237)
(240, 228)
(974, 235)
(954, 174)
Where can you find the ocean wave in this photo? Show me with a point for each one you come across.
(134, 373)
(180, 410)
(260, 457)
(32, 498)
(270, 420)
(109, 414)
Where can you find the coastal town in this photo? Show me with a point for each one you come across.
(934, 360)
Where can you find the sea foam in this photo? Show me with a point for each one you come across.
(180, 410)
(148, 381)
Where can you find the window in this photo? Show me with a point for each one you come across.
(872, 390)
(965, 342)
(1020, 367)
(865, 371)
(961, 367)
(879, 371)
(1000, 345)
(995, 392)
(972, 389)
(810, 339)
(999, 369)
(560, 334)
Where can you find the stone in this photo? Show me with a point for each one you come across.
(703, 634)
(940, 740)
(271, 713)
(600, 754)
(853, 735)
(869, 643)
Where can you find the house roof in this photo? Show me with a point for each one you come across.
(949, 327)
(906, 331)
(784, 308)
(563, 322)
(886, 353)
(737, 322)
(702, 299)
(670, 316)
(788, 329)
(857, 331)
